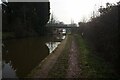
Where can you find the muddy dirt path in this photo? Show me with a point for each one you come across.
(73, 68)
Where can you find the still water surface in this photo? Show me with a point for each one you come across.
(21, 56)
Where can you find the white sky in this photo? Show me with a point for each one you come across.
(0, 1)
(67, 10)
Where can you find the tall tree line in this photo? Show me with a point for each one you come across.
(102, 33)
(25, 18)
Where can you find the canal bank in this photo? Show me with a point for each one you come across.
(41, 71)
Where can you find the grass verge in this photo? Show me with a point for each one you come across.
(7, 35)
(92, 66)
(61, 65)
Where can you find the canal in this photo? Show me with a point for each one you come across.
(21, 56)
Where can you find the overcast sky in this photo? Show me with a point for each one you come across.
(67, 10)
(77, 10)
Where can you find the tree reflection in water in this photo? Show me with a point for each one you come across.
(22, 56)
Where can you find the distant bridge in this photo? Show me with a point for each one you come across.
(68, 29)
(65, 27)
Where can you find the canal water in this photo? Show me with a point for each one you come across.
(21, 56)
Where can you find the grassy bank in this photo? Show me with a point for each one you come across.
(7, 35)
(61, 65)
(91, 65)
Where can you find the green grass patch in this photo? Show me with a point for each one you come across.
(7, 35)
(92, 66)
(59, 70)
